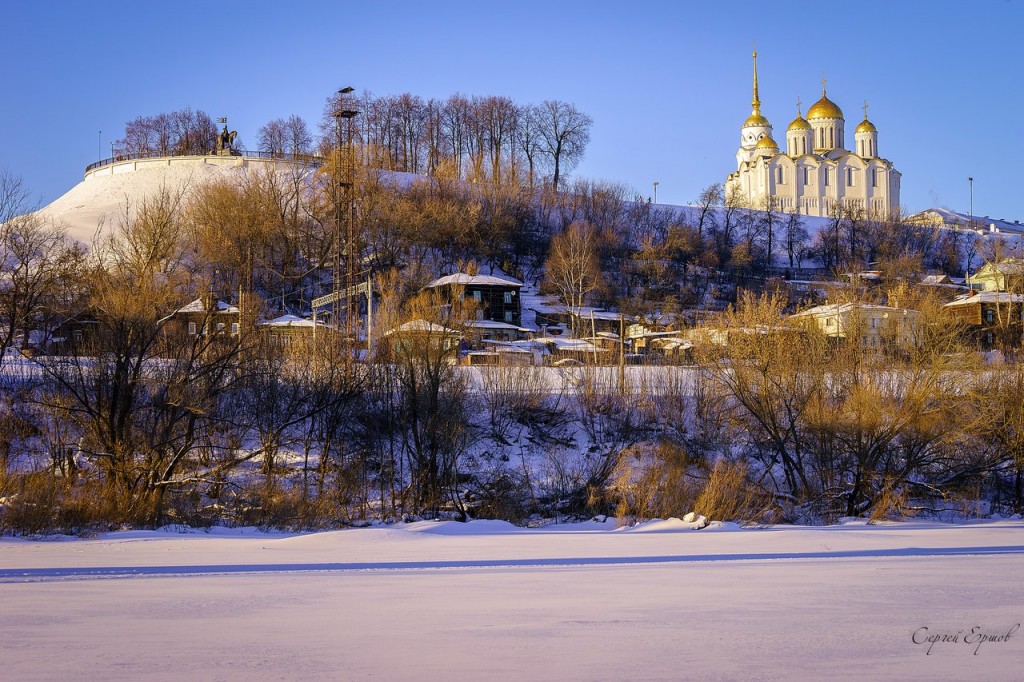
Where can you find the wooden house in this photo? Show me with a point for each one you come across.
(991, 319)
(497, 297)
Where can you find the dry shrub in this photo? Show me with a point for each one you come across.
(506, 496)
(267, 505)
(38, 503)
(729, 495)
(654, 482)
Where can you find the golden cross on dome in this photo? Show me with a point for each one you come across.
(823, 81)
(799, 115)
(865, 110)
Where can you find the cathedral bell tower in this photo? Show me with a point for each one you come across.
(754, 128)
(866, 137)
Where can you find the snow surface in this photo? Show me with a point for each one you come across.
(487, 600)
(96, 203)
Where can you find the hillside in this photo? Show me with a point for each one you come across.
(94, 203)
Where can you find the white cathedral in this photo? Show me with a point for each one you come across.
(817, 174)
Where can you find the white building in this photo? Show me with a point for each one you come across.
(817, 174)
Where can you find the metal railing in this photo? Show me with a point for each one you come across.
(307, 159)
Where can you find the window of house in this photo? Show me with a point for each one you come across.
(77, 335)
(191, 328)
(849, 177)
(807, 176)
(234, 328)
(874, 177)
(477, 296)
(778, 175)
(508, 297)
(220, 327)
(827, 173)
(508, 315)
(990, 316)
(831, 322)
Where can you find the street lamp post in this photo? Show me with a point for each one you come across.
(971, 182)
(655, 191)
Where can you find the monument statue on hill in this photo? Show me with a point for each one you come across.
(225, 141)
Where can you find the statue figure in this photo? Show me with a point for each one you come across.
(226, 139)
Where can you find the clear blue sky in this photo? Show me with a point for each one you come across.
(667, 83)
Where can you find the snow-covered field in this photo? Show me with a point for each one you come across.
(431, 601)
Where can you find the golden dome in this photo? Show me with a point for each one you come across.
(767, 142)
(756, 119)
(799, 123)
(866, 126)
(824, 108)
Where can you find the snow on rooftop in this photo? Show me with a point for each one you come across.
(422, 327)
(461, 278)
(987, 297)
(839, 308)
(198, 306)
(290, 321)
(494, 324)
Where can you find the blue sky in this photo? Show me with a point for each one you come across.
(667, 83)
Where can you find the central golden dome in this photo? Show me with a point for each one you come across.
(824, 108)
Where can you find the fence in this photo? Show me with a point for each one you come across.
(308, 159)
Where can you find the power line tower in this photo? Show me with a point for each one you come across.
(344, 203)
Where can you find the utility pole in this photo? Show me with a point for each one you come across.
(622, 352)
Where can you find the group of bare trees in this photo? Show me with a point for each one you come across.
(286, 137)
(182, 132)
(480, 139)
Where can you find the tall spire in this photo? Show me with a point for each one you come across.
(756, 102)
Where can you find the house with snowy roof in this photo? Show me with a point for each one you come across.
(497, 298)
(204, 316)
(990, 319)
(869, 324)
(1001, 275)
(286, 329)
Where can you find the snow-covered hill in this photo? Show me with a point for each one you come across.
(95, 203)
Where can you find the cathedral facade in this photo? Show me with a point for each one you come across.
(817, 175)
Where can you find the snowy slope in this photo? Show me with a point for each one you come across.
(98, 200)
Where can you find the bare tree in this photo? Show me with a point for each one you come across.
(572, 268)
(564, 134)
(273, 137)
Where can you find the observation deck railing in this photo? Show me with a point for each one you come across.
(309, 159)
